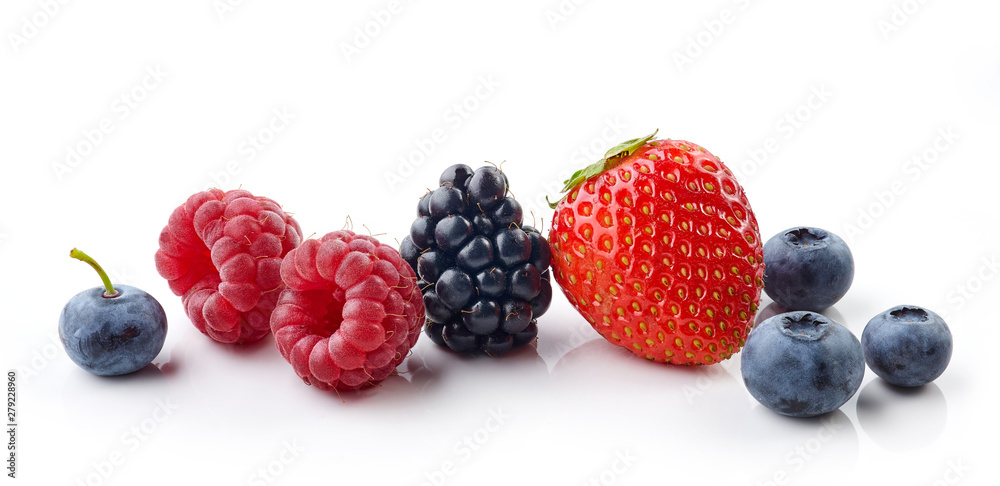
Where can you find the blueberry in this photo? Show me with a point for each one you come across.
(482, 317)
(446, 200)
(507, 214)
(422, 232)
(486, 187)
(512, 247)
(802, 364)
(456, 176)
(491, 282)
(807, 268)
(483, 225)
(452, 232)
(525, 282)
(458, 337)
(111, 330)
(454, 288)
(431, 265)
(409, 252)
(907, 345)
(516, 316)
(475, 254)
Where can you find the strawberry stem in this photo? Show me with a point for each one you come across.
(109, 290)
(611, 158)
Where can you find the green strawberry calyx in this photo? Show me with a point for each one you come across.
(610, 160)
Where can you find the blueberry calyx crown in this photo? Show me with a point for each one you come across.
(811, 237)
(909, 314)
(806, 326)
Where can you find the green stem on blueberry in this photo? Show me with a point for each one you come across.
(611, 158)
(109, 290)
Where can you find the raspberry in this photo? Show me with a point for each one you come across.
(484, 277)
(222, 251)
(349, 313)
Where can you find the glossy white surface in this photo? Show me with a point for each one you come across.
(570, 409)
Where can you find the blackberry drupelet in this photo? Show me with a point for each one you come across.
(484, 277)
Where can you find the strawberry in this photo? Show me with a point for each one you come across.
(657, 247)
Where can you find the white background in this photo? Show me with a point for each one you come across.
(546, 86)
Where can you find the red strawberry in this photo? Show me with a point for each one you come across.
(656, 245)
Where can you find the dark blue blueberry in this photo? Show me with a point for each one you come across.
(516, 316)
(907, 345)
(446, 200)
(507, 214)
(475, 254)
(512, 246)
(491, 282)
(807, 268)
(482, 317)
(457, 337)
(431, 265)
(422, 232)
(111, 336)
(802, 364)
(452, 232)
(525, 282)
(456, 176)
(455, 288)
(486, 188)
(409, 252)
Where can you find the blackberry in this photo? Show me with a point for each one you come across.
(484, 277)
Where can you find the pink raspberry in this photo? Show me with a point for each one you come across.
(222, 251)
(349, 313)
